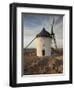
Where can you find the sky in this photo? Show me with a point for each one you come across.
(34, 23)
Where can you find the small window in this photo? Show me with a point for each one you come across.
(43, 52)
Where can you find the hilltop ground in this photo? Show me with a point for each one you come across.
(43, 65)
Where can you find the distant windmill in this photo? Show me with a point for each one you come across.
(53, 34)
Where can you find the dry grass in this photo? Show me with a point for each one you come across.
(43, 65)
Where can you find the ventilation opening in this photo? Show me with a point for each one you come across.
(43, 52)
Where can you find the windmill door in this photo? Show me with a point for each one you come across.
(43, 52)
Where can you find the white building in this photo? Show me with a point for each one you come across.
(43, 43)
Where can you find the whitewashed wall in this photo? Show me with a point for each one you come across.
(43, 43)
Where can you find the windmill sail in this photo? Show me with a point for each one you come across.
(52, 27)
(30, 43)
(55, 42)
(53, 34)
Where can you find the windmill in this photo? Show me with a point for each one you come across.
(53, 34)
(43, 42)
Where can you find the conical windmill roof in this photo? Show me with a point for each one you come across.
(44, 33)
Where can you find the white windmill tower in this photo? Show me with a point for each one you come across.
(43, 42)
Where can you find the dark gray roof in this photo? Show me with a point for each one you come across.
(44, 33)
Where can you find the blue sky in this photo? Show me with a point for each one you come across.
(34, 23)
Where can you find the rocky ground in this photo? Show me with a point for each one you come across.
(43, 65)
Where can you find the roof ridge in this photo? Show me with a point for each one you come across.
(43, 33)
